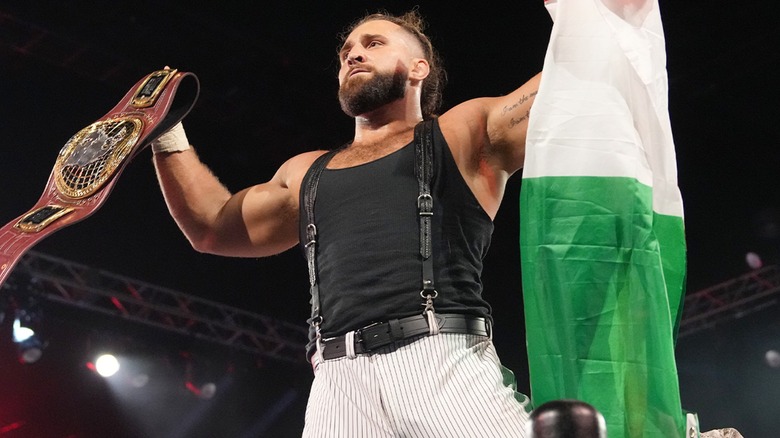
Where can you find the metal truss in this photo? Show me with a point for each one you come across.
(731, 299)
(95, 290)
(66, 282)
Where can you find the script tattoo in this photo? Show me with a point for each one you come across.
(514, 121)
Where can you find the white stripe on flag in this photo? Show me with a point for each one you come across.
(612, 77)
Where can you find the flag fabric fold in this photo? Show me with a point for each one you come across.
(601, 229)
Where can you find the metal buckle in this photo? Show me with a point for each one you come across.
(311, 234)
(359, 335)
(427, 200)
(359, 332)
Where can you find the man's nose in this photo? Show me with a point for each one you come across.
(354, 57)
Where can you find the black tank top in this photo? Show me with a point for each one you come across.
(368, 247)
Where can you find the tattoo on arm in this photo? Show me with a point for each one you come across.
(523, 99)
(514, 121)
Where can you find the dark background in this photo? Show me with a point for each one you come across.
(268, 92)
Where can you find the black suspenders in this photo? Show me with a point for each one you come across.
(423, 169)
(309, 187)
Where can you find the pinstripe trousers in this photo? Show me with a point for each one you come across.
(447, 385)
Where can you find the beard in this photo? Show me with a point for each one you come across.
(359, 96)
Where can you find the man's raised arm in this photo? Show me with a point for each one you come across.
(258, 221)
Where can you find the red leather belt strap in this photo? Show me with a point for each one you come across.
(90, 163)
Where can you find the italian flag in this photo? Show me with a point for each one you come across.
(601, 230)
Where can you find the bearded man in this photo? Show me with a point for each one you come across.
(395, 224)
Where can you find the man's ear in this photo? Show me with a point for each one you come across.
(420, 69)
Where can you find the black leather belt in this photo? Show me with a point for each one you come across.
(378, 335)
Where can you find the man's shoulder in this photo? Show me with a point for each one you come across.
(302, 162)
(292, 171)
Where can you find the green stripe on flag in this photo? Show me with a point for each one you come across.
(601, 300)
(670, 232)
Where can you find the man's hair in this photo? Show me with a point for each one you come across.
(413, 22)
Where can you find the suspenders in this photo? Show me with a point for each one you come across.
(308, 195)
(423, 169)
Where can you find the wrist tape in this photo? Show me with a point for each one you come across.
(173, 140)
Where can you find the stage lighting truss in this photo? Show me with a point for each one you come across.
(65, 282)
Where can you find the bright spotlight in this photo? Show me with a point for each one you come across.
(21, 333)
(106, 365)
(29, 345)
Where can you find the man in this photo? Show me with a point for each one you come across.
(400, 333)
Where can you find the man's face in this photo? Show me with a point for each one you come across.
(375, 61)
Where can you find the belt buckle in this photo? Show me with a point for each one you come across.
(359, 335)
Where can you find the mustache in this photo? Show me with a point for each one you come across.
(360, 66)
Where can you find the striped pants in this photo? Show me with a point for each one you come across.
(447, 385)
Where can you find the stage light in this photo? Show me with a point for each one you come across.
(28, 343)
(753, 260)
(106, 365)
(205, 388)
(205, 391)
(773, 358)
(22, 333)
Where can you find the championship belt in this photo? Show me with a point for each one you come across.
(90, 163)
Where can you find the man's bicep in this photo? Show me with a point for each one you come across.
(507, 123)
(255, 222)
(269, 213)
